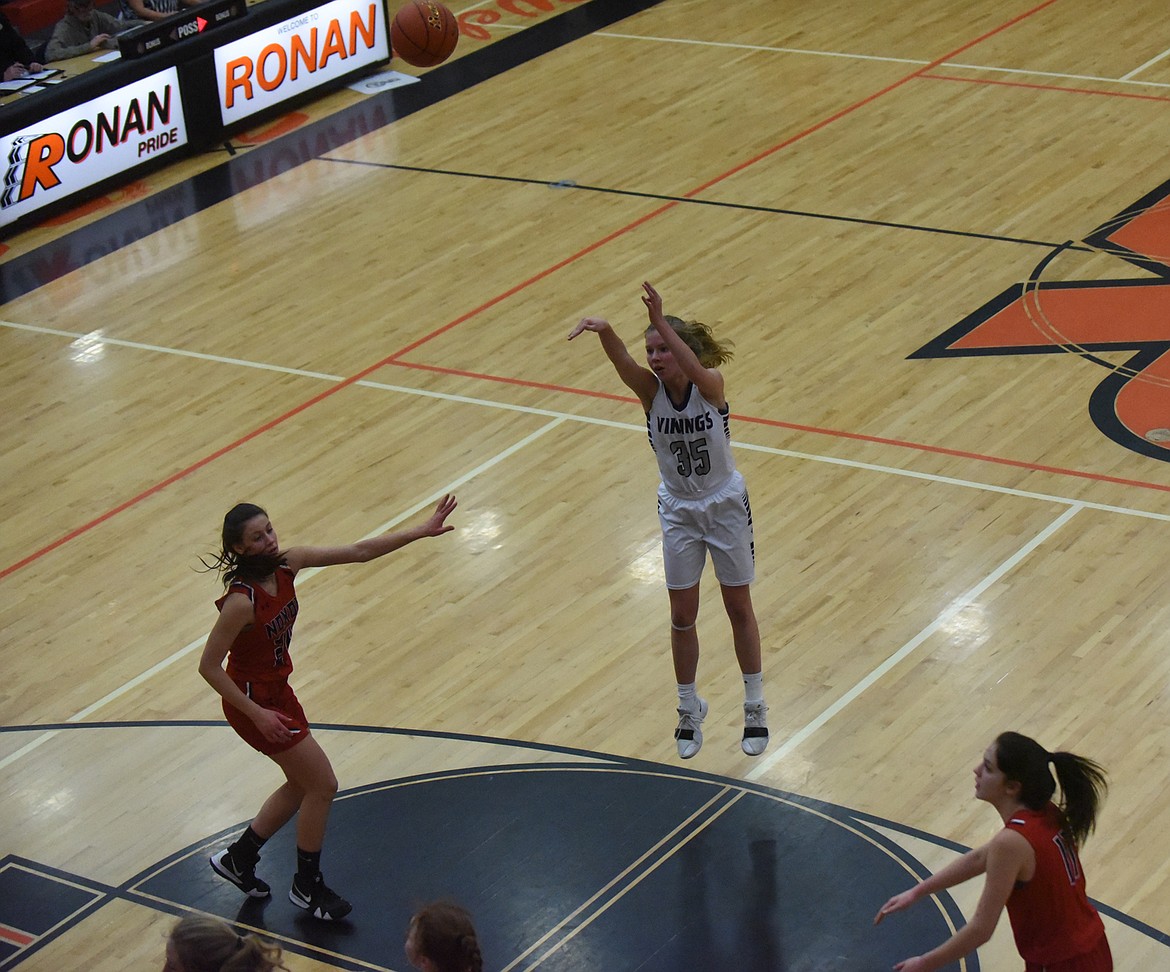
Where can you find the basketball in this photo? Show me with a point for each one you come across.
(424, 33)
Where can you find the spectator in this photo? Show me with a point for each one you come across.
(16, 57)
(152, 9)
(200, 943)
(83, 30)
(441, 938)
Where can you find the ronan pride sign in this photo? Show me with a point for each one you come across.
(99, 139)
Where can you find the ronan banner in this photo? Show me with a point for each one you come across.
(302, 53)
(90, 142)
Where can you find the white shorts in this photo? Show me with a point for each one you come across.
(721, 523)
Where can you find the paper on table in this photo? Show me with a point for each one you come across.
(29, 81)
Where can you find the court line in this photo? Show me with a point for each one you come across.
(89, 339)
(951, 481)
(1049, 87)
(1150, 63)
(302, 576)
(393, 358)
(818, 430)
(556, 419)
(668, 853)
(569, 416)
(956, 606)
(718, 203)
(193, 467)
(872, 97)
(812, 456)
(849, 109)
(845, 55)
(1057, 74)
(694, 821)
(21, 939)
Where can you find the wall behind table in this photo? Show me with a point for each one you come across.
(79, 138)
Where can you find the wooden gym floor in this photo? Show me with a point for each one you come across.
(936, 234)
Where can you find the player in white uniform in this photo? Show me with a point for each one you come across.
(702, 503)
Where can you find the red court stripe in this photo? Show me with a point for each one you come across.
(944, 451)
(1048, 87)
(394, 358)
(17, 937)
(719, 178)
(183, 473)
(868, 99)
(522, 382)
(813, 429)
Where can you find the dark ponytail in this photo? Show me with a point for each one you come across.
(1082, 782)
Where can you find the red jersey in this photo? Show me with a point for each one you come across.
(1051, 916)
(260, 651)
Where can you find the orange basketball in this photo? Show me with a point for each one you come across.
(424, 33)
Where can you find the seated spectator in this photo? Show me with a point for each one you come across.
(83, 30)
(200, 943)
(16, 57)
(152, 9)
(441, 938)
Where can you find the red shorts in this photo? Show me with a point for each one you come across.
(277, 696)
(1099, 959)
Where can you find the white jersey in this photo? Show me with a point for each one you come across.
(692, 443)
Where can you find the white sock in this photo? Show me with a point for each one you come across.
(688, 698)
(753, 688)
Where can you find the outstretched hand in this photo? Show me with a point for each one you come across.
(653, 301)
(899, 902)
(435, 526)
(595, 324)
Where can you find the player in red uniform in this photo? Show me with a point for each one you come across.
(1031, 865)
(253, 633)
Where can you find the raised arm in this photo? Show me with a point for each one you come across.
(374, 547)
(641, 381)
(709, 381)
